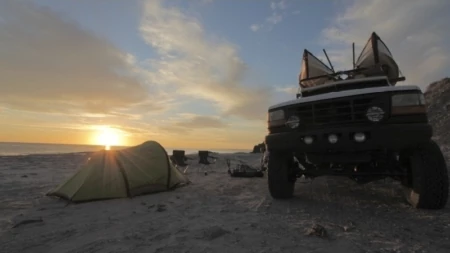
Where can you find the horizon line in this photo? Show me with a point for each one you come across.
(98, 145)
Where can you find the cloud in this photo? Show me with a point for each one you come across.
(201, 121)
(189, 125)
(415, 31)
(48, 64)
(278, 5)
(203, 131)
(81, 82)
(75, 121)
(274, 18)
(291, 90)
(194, 63)
(255, 27)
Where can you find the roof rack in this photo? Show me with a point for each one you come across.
(349, 74)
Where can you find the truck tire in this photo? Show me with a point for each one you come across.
(429, 181)
(279, 176)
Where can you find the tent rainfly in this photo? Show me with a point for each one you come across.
(129, 172)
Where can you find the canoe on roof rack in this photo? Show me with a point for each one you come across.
(374, 60)
(314, 72)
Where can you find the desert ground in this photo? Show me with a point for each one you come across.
(215, 213)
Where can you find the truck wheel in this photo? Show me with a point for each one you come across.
(280, 179)
(428, 188)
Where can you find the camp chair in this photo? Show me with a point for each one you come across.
(203, 156)
(179, 159)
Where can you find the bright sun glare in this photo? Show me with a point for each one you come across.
(108, 137)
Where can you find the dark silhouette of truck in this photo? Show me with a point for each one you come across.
(362, 127)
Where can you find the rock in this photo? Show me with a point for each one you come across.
(437, 96)
(349, 227)
(317, 230)
(161, 208)
(214, 232)
(259, 148)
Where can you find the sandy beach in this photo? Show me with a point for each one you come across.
(215, 213)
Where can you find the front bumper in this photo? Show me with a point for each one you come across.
(391, 137)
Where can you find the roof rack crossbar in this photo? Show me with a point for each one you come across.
(334, 74)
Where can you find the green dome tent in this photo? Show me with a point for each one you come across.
(129, 172)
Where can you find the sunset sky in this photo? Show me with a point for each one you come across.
(190, 74)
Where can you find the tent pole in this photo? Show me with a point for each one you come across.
(124, 175)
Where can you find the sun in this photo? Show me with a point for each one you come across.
(108, 137)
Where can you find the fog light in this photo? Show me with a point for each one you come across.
(308, 139)
(359, 137)
(332, 138)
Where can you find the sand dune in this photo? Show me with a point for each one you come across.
(216, 213)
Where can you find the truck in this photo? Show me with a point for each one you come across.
(358, 124)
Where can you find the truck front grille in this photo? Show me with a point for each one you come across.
(337, 111)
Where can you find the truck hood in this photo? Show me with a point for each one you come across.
(346, 93)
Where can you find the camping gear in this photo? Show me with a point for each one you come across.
(242, 169)
(377, 60)
(129, 172)
(203, 156)
(179, 159)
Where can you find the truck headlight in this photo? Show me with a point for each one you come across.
(276, 118)
(408, 103)
(408, 99)
(276, 115)
(375, 114)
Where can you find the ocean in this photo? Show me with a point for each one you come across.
(16, 148)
